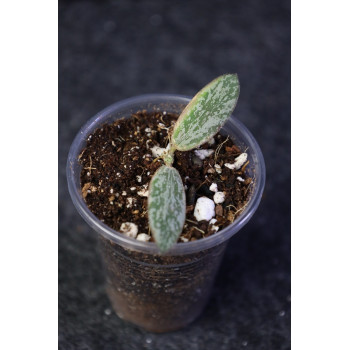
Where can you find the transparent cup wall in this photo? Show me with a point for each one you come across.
(161, 293)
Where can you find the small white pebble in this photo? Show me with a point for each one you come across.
(111, 190)
(148, 130)
(213, 187)
(214, 227)
(164, 112)
(219, 197)
(138, 178)
(118, 174)
(129, 202)
(157, 151)
(229, 165)
(132, 188)
(123, 193)
(129, 229)
(148, 173)
(88, 174)
(144, 237)
(143, 192)
(211, 141)
(204, 209)
(240, 179)
(239, 161)
(203, 153)
(218, 168)
(184, 239)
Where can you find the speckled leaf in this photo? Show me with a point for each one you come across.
(206, 113)
(166, 206)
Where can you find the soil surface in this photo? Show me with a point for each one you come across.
(118, 164)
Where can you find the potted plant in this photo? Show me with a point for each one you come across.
(158, 277)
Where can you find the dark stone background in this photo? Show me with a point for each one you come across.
(111, 50)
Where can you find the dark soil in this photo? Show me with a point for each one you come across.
(117, 163)
(157, 292)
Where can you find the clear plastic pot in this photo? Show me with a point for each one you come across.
(161, 292)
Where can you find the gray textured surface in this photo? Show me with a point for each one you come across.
(110, 50)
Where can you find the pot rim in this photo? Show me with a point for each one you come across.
(150, 247)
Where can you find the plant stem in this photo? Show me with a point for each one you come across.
(168, 157)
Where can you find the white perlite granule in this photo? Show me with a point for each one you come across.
(157, 151)
(211, 141)
(144, 237)
(239, 161)
(204, 209)
(218, 168)
(129, 202)
(129, 229)
(143, 192)
(214, 227)
(213, 187)
(203, 153)
(219, 197)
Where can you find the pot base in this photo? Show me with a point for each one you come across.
(152, 324)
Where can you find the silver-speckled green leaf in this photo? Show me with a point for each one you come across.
(206, 113)
(166, 206)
